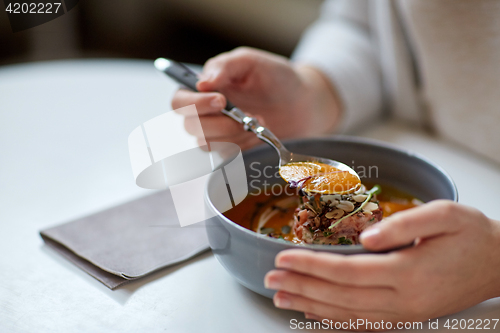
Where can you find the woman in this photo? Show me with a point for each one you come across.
(431, 63)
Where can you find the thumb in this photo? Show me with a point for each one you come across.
(225, 69)
(403, 228)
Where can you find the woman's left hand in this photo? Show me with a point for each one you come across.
(455, 265)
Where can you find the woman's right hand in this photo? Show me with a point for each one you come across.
(290, 99)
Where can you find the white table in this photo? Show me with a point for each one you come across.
(63, 154)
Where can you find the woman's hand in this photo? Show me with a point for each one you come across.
(455, 265)
(292, 100)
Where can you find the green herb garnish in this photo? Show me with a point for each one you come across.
(327, 233)
(344, 241)
(375, 190)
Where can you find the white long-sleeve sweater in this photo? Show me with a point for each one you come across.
(429, 62)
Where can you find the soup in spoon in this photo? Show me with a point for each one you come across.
(315, 177)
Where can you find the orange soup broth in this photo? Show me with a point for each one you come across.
(251, 209)
(320, 178)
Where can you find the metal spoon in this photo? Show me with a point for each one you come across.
(185, 76)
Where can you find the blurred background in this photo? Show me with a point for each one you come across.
(185, 30)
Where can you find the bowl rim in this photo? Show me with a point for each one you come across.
(337, 138)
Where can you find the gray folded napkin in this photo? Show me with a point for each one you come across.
(127, 242)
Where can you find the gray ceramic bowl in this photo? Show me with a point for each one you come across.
(248, 256)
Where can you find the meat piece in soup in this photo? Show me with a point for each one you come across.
(336, 219)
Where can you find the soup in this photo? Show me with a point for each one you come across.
(315, 177)
(319, 219)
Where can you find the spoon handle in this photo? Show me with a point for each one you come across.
(185, 76)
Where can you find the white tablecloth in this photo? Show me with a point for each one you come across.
(63, 154)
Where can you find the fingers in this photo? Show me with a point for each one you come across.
(206, 103)
(227, 68)
(429, 220)
(244, 144)
(214, 124)
(245, 141)
(213, 127)
(284, 300)
(373, 270)
(221, 128)
(346, 297)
